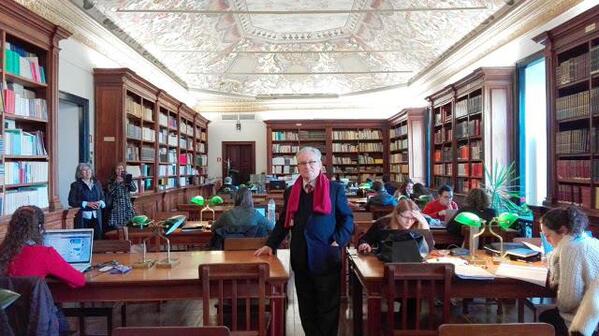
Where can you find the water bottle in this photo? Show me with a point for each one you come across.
(271, 211)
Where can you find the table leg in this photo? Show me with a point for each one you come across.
(356, 303)
(277, 306)
(373, 321)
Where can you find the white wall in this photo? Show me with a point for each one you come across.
(224, 130)
(68, 149)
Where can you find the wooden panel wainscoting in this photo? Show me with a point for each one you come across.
(165, 201)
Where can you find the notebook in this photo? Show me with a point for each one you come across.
(75, 246)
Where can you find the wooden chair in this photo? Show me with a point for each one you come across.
(361, 216)
(414, 283)
(81, 312)
(244, 244)
(503, 329)
(380, 211)
(236, 284)
(168, 331)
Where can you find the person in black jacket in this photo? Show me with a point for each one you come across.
(477, 202)
(86, 193)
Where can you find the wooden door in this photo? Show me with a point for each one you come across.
(239, 157)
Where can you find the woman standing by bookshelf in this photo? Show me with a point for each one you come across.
(86, 193)
(118, 196)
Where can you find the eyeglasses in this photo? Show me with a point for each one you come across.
(406, 217)
(305, 163)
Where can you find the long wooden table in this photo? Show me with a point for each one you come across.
(367, 276)
(178, 283)
(189, 237)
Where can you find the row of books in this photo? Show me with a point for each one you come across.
(398, 131)
(186, 129)
(139, 133)
(184, 143)
(18, 142)
(572, 141)
(442, 135)
(580, 195)
(573, 69)
(167, 170)
(470, 105)
(166, 137)
(399, 144)
(399, 178)
(465, 185)
(167, 155)
(135, 108)
(187, 170)
(572, 106)
(284, 170)
(312, 135)
(345, 160)
(167, 183)
(442, 154)
(594, 59)
(575, 170)
(443, 169)
(200, 147)
(365, 134)
(402, 168)
(441, 180)
(357, 170)
(467, 128)
(468, 152)
(284, 160)
(398, 157)
(22, 63)
(356, 148)
(167, 120)
(25, 172)
(201, 160)
(285, 136)
(35, 195)
(23, 102)
(141, 170)
(470, 170)
(279, 148)
(443, 114)
(367, 159)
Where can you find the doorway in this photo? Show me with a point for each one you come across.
(73, 140)
(239, 160)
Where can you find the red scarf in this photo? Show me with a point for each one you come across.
(321, 200)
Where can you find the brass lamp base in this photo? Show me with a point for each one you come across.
(165, 263)
(144, 264)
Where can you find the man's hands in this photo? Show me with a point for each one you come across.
(364, 248)
(264, 250)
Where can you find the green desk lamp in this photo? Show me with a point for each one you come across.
(475, 224)
(214, 201)
(505, 220)
(142, 222)
(198, 200)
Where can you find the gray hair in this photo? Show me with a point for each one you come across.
(228, 180)
(80, 166)
(308, 149)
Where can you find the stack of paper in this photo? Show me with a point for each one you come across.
(535, 275)
(473, 273)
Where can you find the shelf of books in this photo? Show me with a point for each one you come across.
(573, 110)
(462, 138)
(164, 142)
(285, 142)
(406, 145)
(357, 154)
(28, 86)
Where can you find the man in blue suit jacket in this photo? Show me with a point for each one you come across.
(321, 224)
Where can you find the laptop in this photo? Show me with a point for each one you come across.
(449, 214)
(74, 245)
(261, 210)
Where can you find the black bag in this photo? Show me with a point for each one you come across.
(401, 246)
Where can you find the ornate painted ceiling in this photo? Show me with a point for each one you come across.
(262, 47)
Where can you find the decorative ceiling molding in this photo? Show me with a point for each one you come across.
(514, 23)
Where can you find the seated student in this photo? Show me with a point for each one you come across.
(406, 189)
(436, 208)
(389, 186)
(227, 186)
(22, 253)
(477, 202)
(241, 221)
(381, 198)
(405, 216)
(573, 269)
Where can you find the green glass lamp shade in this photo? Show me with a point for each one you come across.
(242, 186)
(468, 219)
(198, 200)
(506, 219)
(403, 197)
(172, 223)
(425, 198)
(364, 185)
(140, 220)
(216, 200)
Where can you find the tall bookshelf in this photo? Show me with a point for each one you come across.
(354, 149)
(406, 146)
(29, 86)
(572, 51)
(163, 141)
(471, 127)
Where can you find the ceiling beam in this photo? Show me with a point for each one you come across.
(301, 73)
(346, 51)
(302, 12)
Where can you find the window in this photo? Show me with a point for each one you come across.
(533, 131)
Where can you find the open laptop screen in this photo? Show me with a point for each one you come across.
(261, 210)
(75, 246)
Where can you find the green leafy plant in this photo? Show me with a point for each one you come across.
(503, 188)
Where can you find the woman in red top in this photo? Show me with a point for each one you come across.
(22, 252)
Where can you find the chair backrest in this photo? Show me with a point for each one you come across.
(112, 246)
(244, 244)
(419, 282)
(168, 331)
(503, 329)
(380, 211)
(238, 284)
(362, 216)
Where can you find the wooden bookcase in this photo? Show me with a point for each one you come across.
(406, 146)
(162, 141)
(471, 127)
(29, 102)
(354, 149)
(572, 63)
